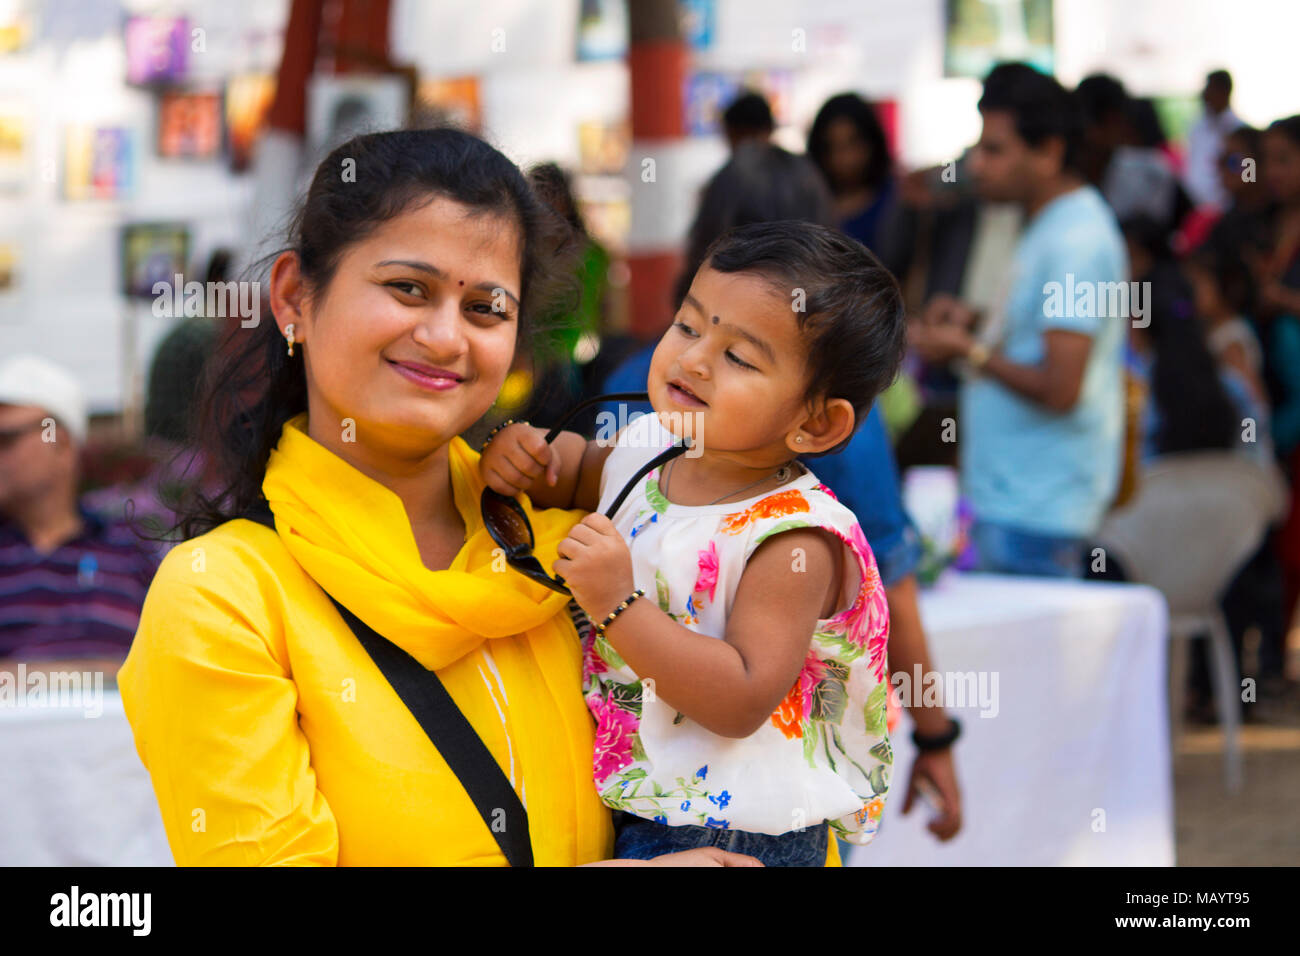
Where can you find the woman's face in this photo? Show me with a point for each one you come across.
(1282, 167)
(414, 335)
(847, 154)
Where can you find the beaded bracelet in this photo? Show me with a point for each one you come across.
(493, 433)
(609, 619)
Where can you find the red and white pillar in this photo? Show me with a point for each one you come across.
(661, 204)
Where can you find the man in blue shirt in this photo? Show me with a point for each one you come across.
(1041, 415)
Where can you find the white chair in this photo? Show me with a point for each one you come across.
(1196, 518)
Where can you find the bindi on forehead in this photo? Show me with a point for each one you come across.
(716, 320)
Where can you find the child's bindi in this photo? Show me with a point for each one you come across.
(715, 320)
(461, 282)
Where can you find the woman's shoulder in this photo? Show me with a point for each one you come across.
(237, 570)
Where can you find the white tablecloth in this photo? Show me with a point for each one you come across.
(73, 791)
(1080, 738)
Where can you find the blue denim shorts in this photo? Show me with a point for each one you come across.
(637, 838)
(1001, 549)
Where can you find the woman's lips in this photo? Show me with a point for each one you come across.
(683, 397)
(435, 382)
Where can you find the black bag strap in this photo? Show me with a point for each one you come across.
(453, 736)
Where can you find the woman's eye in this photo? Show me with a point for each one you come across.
(738, 360)
(485, 308)
(409, 288)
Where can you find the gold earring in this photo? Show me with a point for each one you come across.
(798, 438)
(288, 333)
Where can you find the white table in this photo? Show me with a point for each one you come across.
(1080, 739)
(73, 791)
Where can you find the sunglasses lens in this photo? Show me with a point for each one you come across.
(507, 526)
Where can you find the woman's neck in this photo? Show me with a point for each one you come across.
(420, 478)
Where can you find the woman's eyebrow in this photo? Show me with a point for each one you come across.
(434, 271)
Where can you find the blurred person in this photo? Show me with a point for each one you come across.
(748, 119)
(1042, 412)
(1103, 102)
(72, 582)
(762, 183)
(549, 359)
(848, 145)
(1139, 179)
(1205, 141)
(1242, 224)
(1220, 284)
(1189, 405)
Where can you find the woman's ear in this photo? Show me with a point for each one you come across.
(829, 424)
(289, 296)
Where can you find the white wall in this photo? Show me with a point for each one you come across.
(534, 95)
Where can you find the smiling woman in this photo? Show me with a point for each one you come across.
(271, 735)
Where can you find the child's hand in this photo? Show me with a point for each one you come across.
(596, 565)
(514, 458)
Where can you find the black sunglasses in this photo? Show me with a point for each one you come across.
(508, 524)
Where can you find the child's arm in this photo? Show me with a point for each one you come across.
(729, 686)
(563, 474)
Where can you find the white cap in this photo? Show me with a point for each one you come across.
(32, 380)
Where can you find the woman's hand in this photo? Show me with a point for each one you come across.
(515, 457)
(700, 856)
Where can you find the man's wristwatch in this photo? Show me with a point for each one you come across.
(978, 355)
(938, 741)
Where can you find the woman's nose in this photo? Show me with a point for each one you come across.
(442, 331)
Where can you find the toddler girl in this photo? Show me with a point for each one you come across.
(741, 701)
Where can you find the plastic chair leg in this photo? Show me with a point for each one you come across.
(1227, 690)
(1178, 653)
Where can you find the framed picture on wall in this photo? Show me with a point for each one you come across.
(248, 102)
(98, 162)
(157, 49)
(978, 34)
(341, 107)
(14, 132)
(153, 252)
(189, 124)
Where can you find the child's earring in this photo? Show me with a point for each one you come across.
(288, 334)
(799, 439)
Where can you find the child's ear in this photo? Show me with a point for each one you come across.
(829, 424)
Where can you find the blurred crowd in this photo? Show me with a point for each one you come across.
(1090, 302)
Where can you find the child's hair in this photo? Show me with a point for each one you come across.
(848, 306)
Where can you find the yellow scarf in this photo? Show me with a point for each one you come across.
(353, 536)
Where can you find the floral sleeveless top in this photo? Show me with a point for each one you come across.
(824, 754)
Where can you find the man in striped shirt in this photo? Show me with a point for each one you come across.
(72, 583)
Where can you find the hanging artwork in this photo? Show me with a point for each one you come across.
(189, 125)
(248, 101)
(98, 162)
(982, 33)
(156, 49)
(153, 252)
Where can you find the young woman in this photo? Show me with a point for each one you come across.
(271, 736)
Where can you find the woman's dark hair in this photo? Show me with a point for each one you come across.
(1041, 109)
(251, 387)
(851, 107)
(760, 183)
(1196, 413)
(848, 305)
(1288, 126)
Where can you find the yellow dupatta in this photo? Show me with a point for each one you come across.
(353, 536)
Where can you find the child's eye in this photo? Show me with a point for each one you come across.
(685, 328)
(738, 360)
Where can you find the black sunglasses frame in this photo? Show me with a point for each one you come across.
(501, 512)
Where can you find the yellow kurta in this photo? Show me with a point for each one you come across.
(272, 738)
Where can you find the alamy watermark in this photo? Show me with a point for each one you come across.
(49, 688)
(213, 300)
(957, 689)
(1106, 300)
(686, 425)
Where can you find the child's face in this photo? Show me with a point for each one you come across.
(734, 365)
